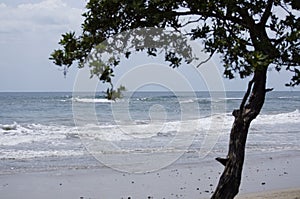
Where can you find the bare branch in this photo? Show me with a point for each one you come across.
(223, 161)
(205, 61)
(269, 89)
(191, 21)
(286, 9)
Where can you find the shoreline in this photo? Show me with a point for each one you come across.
(264, 175)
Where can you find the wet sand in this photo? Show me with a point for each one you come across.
(263, 173)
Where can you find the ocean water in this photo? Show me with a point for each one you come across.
(142, 132)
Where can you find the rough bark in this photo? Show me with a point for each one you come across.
(229, 183)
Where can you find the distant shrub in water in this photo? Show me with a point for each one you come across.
(115, 94)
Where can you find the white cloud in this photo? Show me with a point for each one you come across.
(3, 5)
(45, 16)
(48, 4)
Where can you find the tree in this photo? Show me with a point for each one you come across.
(250, 36)
(111, 94)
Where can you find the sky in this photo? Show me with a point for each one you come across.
(30, 31)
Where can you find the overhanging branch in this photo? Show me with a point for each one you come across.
(204, 15)
(206, 60)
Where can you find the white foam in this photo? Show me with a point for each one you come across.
(232, 98)
(187, 101)
(8, 127)
(57, 134)
(92, 100)
(106, 133)
(289, 97)
(26, 154)
(143, 99)
(281, 118)
(30, 133)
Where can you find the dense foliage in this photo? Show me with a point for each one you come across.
(247, 34)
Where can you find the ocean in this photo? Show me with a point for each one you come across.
(142, 132)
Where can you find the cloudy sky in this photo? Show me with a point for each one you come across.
(29, 32)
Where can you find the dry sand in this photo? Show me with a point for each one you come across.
(276, 194)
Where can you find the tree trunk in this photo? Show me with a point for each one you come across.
(229, 183)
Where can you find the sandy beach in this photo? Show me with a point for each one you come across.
(269, 175)
(277, 194)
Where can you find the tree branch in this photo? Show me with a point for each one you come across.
(205, 61)
(267, 13)
(269, 89)
(286, 9)
(215, 15)
(223, 161)
(247, 18)
(191, 21)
